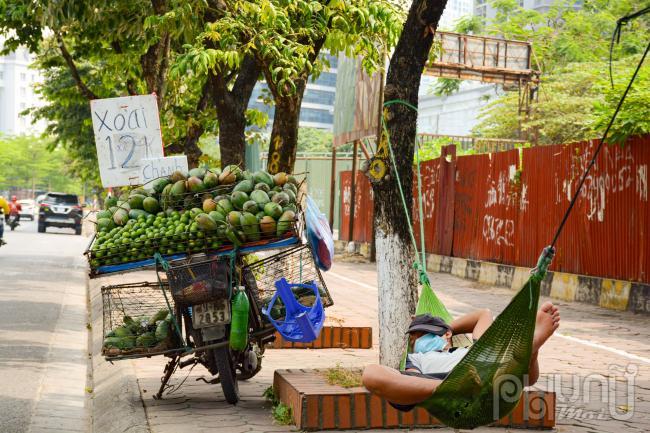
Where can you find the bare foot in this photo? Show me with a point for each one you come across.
(548, 320)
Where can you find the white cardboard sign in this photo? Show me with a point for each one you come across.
(153, 168)
(127, 130)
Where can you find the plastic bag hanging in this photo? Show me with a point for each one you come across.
(319, 235)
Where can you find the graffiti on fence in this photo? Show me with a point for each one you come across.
(505, 213)
(498, 230)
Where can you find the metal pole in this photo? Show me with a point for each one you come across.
(332, 188)
(353, 188)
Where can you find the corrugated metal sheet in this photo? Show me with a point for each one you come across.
(506, 211)
(363, 210)
(607, 232)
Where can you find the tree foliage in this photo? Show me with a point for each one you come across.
(33, 162)
(571, 49)
(285, 38)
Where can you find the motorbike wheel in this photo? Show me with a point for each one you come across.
(227, 374)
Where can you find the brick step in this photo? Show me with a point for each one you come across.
(317, 405)
(331, 337)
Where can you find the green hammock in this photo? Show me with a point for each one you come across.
(487, 383)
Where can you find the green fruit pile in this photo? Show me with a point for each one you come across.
(202, 211)
(141, 332)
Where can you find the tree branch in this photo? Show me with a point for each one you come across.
(73, 69)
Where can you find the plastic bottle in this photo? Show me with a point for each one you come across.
(239, 322)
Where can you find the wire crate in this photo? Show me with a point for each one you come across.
(296, 265)
(138, 301)
(199, 279)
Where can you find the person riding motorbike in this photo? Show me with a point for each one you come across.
(14, 213)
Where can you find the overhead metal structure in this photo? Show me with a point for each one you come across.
(482, 58)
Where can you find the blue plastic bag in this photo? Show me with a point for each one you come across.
(319, 235)
(301, 324)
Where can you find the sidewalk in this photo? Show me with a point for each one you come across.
(592, 343)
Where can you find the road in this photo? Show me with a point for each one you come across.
(43, 336)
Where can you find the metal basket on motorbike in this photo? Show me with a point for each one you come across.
(199, 279)
(137, 322)
(295, 265)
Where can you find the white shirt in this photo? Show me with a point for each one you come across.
(436, 362)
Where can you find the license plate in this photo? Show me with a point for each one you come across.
(61, 219)
(211, 314)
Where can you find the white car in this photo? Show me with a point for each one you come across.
(28, 209)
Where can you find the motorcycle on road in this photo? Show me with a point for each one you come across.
(13, 220)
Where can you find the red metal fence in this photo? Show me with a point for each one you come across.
(505, 207)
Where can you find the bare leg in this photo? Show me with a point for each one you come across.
(476, 322)
(548, 320)
(395, 387)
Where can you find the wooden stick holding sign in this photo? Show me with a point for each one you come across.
(127, 130)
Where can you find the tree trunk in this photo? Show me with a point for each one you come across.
(232, 138)
(284, 135)
(397, 280)
(231, 110)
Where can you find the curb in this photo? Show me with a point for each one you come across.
(609, 293)
(117, 405)
(316, 405)
(331, 337)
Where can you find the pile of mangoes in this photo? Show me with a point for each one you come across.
(203, 210)
(140, 332)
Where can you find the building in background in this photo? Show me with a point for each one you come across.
(317, 110)
(17, 81)
(456, 114)
(484, 8)
(454, 10)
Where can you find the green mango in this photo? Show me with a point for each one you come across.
(250, 206)
(210, 180)
(199, 172)
(159, 184)
(264, 177)
(245, 186)
(224, 206)
(151, 205)
(260, 197)
(273, 210)
(205, 223)
(110, 202)
(217, 216)
(250, 226)
(238, 198)
(285, 222)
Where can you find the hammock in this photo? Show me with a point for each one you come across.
(488, 382)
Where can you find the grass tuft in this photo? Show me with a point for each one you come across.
(343, 377)
(282, 414)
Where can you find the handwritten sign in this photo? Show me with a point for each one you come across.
(153, 168)
(127, 130)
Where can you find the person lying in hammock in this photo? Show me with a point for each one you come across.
(433, 357)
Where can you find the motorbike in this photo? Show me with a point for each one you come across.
(205, 321)
(14, 219)
(206, 293)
